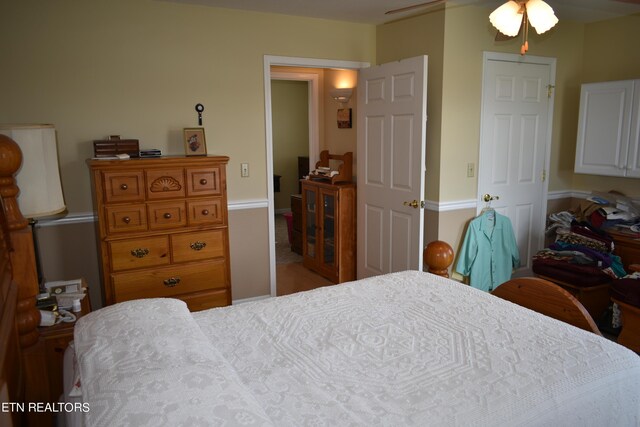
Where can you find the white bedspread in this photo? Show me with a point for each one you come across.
(396, 350)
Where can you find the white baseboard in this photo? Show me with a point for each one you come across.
(243, 300)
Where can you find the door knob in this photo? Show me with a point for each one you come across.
(488, 197)
(414, 204)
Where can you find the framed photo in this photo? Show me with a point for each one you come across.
(344, 118)
(194, 142)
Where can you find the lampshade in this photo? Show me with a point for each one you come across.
(507, 18)
(39, 176)
(541, 16)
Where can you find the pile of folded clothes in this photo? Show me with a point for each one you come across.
(581, 254)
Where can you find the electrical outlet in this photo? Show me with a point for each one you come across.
(244, 170)
(471, 170)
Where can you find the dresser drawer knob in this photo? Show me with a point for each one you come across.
(203, 181)
(167, 215)
(126, 220)
(198, 246)
(123, 186)
(205, 211)
(140, 252)
(171, 282)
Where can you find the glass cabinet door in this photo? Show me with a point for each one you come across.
(328, 228)
(310, 206)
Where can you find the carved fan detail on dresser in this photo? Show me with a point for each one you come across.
(165, 183)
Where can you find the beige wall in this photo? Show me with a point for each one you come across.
(138, 67)
(69, 252)
(290, 127)
(249, 253)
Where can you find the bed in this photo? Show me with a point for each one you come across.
(408, 348)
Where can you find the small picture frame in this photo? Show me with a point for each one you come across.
(194, 142)
(344, 118)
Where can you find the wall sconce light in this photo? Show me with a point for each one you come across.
(341, 95)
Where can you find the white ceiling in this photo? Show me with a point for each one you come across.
(373, 11)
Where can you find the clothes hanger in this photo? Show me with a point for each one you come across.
(488, 209)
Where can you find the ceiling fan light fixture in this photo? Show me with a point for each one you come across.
(541, 16)
(507, 18)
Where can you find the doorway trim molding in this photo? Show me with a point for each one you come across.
(288, 61)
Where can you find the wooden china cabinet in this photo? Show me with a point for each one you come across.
(162, 226)
(329, 229)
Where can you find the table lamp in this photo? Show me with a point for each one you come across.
(38, 178)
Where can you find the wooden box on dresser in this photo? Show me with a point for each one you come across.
(329, 229)
(163, 230)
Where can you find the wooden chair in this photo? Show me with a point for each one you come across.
(547, 298)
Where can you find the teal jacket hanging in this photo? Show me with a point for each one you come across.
(489, 251)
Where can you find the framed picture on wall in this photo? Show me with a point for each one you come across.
(344, 118)
(194, 142)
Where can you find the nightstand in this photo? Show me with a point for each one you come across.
(55, 340)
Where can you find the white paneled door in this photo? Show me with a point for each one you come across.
(392, 107)
(517, 111)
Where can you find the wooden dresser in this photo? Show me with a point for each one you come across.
(627, 246)
(162, 226)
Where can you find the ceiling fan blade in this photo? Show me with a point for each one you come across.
(415, 6)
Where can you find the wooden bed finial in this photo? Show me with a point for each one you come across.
(23, 254)
(438, 256)
(10, 162)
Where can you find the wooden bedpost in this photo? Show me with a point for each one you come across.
(26, 277)
(438, 256)
(23, 255)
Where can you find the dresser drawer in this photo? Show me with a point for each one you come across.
(170, 281)
(123, 187)
(139, 253)
(165, 184)
(166, 215)
(207, 211)
(198, 246)
(204, 181)
(126, 219)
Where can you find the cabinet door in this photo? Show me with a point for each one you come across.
(633, 158)
(328, 228)
(603, 128)
(309, 222)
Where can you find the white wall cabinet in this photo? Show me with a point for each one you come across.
(609, 129)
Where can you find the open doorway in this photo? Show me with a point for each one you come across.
(297, 70)
(291, 102)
